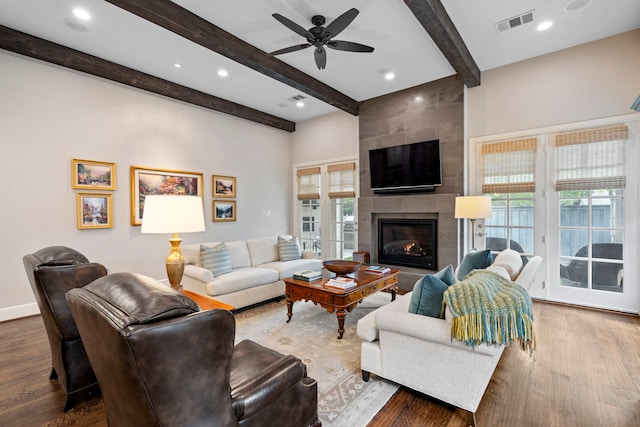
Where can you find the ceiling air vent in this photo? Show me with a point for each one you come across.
(516, 21)
(297, 98)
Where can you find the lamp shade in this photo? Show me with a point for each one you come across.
(166, 214)
(473, 207)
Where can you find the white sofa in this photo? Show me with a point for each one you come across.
(418, 351)
(257, 273)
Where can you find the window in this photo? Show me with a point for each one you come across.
(508, 177)
(308, 185)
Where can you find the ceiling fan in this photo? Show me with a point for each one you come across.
(320, 36)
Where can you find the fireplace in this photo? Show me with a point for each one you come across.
(408, 242)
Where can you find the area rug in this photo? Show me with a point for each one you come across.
(343, 398)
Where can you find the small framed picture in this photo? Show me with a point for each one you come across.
(224, 210)
(95, 210)
(93, 175)
(224, 186)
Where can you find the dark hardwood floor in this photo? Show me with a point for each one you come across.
(585, 372)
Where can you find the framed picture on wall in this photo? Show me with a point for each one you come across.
(224, 210)
(94, 210)
(147, 181)
(224, 186)
(93, 175)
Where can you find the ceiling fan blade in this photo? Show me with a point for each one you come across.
(320, 55)
(290, 49)
(340, 23)
(293, 26)
(349, 46)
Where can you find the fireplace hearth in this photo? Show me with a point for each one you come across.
(408, 242)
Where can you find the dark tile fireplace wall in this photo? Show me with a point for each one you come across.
(430, 111)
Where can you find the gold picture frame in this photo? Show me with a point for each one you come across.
(223, 186)
(224, 210)
(93, 175)
(94, 210)
(147, 181)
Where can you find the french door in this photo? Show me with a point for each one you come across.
(580, 215)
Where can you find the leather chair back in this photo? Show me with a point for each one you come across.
(53, 271)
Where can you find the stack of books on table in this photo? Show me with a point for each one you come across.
(340, 283)
(377, 269)
(307, 275)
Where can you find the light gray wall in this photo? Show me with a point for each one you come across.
(50, 115)
(595, 80)
(326, 138)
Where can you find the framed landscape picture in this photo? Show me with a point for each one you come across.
(146, 181)
(224, 210)
(224, 186)
(95, 210)
(93, 175)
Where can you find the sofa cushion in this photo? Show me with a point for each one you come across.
(510, 260)
(241, 278)
(289, 248)
(500, 271)
(263, 250)
(474, 260)
(426, 298)
(447, 275)
(239, 254)
(216, 259)
(287, 268)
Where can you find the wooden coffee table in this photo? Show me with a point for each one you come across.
(335, 299)
(205, 302)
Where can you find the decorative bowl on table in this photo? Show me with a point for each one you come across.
(341, 267)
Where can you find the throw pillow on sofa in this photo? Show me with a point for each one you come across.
(511, 261)
(427, 295)
(216, 258)
(474, 260)
(289, 249)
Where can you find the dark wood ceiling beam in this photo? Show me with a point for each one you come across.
(435, 19)
(34, 47)
(181, 21)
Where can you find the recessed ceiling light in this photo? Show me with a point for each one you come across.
(75, 24)
(575, 5)
(389, 76)
(177, 65)
(299, 104)
(82, 14)
(545, 25)
(223, 73)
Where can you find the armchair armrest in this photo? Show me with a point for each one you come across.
(198, 273)
(258, 392)
(429, 329)
(309, 255)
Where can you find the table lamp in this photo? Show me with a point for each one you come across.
(472, 208)
(171, 214)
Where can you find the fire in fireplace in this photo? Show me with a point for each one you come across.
(408, 242)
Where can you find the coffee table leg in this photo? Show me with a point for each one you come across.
(393, 293)
(289, 310)
(341, 314)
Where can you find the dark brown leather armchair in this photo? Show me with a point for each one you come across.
(161, 361)
(52, 272)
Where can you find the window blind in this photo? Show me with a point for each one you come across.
(342, 178)
(509, 166)
(591, 159)
(308, 183)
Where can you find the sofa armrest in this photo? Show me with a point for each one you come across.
(309, 255)
(198, 273)
(256, 393)
(425, 328)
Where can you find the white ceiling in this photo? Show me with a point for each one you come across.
(401, 43)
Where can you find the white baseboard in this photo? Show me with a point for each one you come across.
(18, 311)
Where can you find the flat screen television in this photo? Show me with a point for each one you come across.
(408, 167)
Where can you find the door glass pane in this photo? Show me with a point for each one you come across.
(607, 276)
(342, 229)
(310, 225)
(571, 241)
